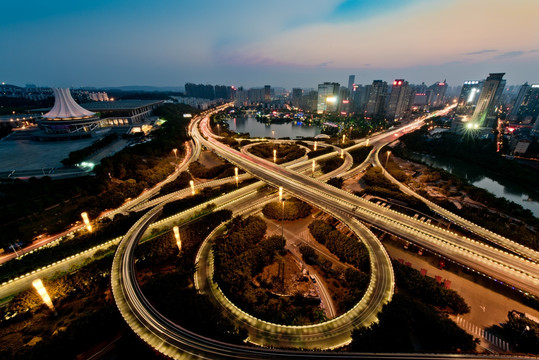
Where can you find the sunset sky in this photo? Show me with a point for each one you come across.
(294, 43)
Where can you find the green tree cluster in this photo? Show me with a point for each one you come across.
(374, 176)
(408, 325)
(481, 152)
(328, 165)
(347, 249)
(522, 333)
(181, 182)
(322, 151)
(293, 209)
(360, 154)
(428, 290)
(336, 181)
(216, 172)
(285, 152)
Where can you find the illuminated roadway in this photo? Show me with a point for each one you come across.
(177, 342)
(498, 264)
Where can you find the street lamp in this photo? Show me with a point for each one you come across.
(274, 155)
(177, 237)
(273, 134)
(219, 129)
(315, 143)
(387, 158)
(86, 221)
(282, 220)
(192, 184)
(343, 138)
(175, 153)
(280, 193)
(236, 176)
(342, 153)
(314, 164)
(43, 293)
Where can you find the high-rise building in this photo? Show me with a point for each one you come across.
(437, 93)
(376, 98)
(518, 101)
(328, 97)
(297, 93)
(399, 99)
(359, 97)
(351, 81)
(469, 94)
(484, 114)
(267, 93)
(529, 108)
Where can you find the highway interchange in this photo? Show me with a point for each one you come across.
(171, 339)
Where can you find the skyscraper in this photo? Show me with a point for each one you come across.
(529, 108)
(297, 93)
(328, 97)
(437, 93)
(399, 99)
(518, 101)
(267, 93)
(351, 81)
(484, 114)
(469, 94)
(376, 98)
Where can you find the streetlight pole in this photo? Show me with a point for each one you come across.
(236, 175)
(13, 248)
(387, 158)
(275, 156)
(176, 231)
(282, 222)
(175, 153)
(314, 164)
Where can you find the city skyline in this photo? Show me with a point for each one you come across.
(134, 43)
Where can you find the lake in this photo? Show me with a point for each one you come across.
(293, 129)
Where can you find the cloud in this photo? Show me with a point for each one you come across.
(485, 51)
(509, 54)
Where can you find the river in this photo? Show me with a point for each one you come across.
(293, 129)
(499, 186)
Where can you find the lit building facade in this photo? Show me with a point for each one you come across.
(328, 97)
(469, 94)
(399, 99)
(376, 98)
(484, 113)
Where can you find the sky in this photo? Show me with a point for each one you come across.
(251, 43)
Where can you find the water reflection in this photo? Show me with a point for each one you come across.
(293, 129)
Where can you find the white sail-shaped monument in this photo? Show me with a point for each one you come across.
(65, 107)
(67, 120)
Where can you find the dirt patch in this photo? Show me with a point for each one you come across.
(286, 277)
